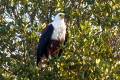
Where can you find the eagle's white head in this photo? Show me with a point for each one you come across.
(59, 16)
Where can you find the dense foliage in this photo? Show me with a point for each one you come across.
(92, 51)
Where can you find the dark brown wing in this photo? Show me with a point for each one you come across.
(44, 42)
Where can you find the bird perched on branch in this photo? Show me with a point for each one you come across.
(52, 38)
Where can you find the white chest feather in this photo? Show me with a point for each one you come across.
(59, 30)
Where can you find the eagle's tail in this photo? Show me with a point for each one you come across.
(38, 55)
(38, 60)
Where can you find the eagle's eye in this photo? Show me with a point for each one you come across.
(61, 16)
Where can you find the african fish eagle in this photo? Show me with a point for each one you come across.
(52, 38)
